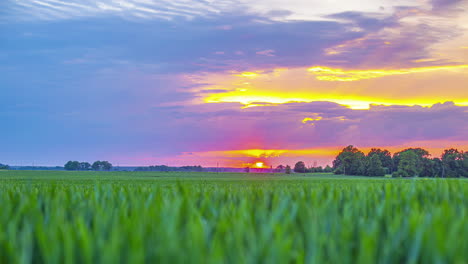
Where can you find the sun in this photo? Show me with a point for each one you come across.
(259, 164)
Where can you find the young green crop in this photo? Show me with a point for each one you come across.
(70, 217)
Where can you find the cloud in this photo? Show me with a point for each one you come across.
(441, 4)
(280, 10)
(329, 74)
(353, 88)
(277, 134)
(131, 9)
(269, 53)
(342, 40)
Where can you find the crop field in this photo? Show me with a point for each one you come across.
(129, 217)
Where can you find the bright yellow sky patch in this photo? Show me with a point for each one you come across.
(259, 164)
(335, 74)
(249, 98)
(311, 119)
(248, 74)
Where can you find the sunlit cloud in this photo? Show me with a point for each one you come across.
(248, 74)
(340, 75)
(352, 88)
(311, 119)
(425, 60)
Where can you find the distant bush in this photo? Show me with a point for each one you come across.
(76, 165)
(84, 166)
(101, 165)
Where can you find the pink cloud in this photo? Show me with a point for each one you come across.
(269, 53)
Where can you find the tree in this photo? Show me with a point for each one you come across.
(428, 168)
(246, 169)
(300, 167)
(279, 168)
(464, 164)
(454, 163)
(437, 167)
(4, 167)
(101, 165)
(375, 167)
(318, 169)
(385, 158)
(72, 165)
(350, 161)
(96, 165)
(85, 166)
(420, 153)
(408, 165)
(288, 169)
(328, 169)
(106, 165)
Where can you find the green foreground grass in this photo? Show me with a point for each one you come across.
(127, 217)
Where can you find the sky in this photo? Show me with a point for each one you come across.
(229, 82)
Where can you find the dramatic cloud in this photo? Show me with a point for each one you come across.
(329, 74)
(355, 88)
(314, 131)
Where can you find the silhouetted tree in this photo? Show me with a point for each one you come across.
(328, 169)
(300, 167)
(288, 169)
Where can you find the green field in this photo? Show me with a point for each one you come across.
(128, 217)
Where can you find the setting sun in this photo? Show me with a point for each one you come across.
(259, 164)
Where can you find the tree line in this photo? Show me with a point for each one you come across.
(4, 167)
(85, 166)
(411, 162)
(300, 167)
